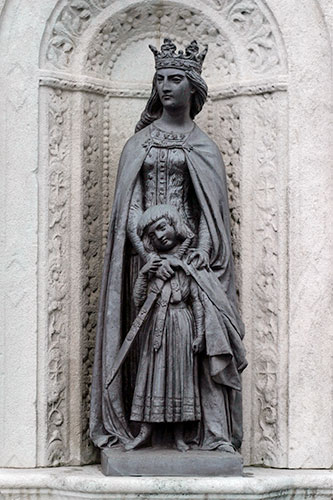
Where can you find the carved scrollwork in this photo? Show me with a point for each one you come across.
(223, 125)
(266, 281)
(256, 31)
(245, 17)
(58, 280)
(72, 21)
(92, 252)
(228, 121)
(142, 22)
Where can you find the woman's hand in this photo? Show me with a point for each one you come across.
(199, 344)
(199, 258)
(151, 265)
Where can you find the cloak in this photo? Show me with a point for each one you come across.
(108, 422)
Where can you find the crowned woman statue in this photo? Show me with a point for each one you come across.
(170, 161)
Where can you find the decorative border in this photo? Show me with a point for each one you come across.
(216, 92)
(266, 283)
(245, 17)
(58, 277)
(143, 21)
(93, 192)
(106, 169)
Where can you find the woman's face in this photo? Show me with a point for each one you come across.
(162, 234)
(173, 87)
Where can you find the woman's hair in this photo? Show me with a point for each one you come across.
(154, 107)
(157, 212)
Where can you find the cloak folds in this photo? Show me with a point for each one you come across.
(108, 422)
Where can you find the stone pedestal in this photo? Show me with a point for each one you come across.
(88, 483)
(163, 462)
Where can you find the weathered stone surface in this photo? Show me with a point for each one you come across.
(163, 462)
(89, 483)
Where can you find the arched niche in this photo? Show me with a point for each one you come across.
(95, 74)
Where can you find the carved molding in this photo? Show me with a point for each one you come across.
(58, 277)
(142, 91)
(94, 201)
(106, 169)
(223, 125)
(144, 21)
(227, 122)
(245, 18)
(266, 283)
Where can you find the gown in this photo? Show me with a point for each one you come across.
(167, 388)
(164, 179)
(204, 197)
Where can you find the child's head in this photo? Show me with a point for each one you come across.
(161, 228)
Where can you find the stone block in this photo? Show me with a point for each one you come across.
(166, 462)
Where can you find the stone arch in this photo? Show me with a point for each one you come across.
(249, 25)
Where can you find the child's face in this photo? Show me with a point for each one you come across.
(162, 234)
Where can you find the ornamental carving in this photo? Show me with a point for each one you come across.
(142, 22)
(227, 135)
(256, 32)
(244, 17)
(221, 121)
(266, 282)
(58, 277)
(72, 21)
(251, 24)
(92, 252)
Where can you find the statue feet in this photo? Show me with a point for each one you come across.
(179, 437)
(181, 445)
(226, 447)
(141, 438)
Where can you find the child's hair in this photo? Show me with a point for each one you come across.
(153, 214)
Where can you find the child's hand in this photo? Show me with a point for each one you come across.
(165, 270)
(152, 265)
(199, 344)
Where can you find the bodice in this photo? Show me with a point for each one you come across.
(165, 176)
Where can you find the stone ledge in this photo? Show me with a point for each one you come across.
(88, 482)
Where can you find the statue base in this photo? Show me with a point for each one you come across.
(166, 462)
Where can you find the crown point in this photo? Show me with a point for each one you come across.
(167, 57)
(153, 49)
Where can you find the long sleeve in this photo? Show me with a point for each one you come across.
(140, 289)
(198, 310)
(135, 212)
(204, 240)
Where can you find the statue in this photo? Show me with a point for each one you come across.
(169, 350)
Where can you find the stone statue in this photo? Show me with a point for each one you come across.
(169, 350)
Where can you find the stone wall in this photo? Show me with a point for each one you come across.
(75, 77)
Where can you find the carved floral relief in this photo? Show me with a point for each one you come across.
(58, 278)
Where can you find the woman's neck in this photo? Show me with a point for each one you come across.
(177, 120)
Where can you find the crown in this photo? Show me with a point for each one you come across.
(168, 58)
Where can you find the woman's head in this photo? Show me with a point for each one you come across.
(190, 65)
(161, 228)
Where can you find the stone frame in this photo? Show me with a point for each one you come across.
(253, 109)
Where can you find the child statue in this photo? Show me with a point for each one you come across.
(167, 388)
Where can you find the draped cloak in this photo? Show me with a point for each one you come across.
(225, 355)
